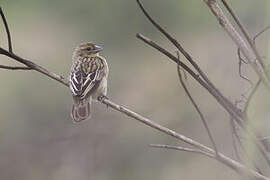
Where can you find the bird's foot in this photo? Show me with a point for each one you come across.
(102, 98)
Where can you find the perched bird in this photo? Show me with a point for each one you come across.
(88, 79)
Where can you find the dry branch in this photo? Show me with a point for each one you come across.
(180, 148)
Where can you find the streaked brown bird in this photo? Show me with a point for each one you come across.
(88, 79)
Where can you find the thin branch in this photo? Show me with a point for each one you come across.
(240, 62)
(7, 30)
(234, 137)
(260, 33)
(34, 66)
(251, 95)
(235, 36)
(237, 138)
(240, 57)
(196, 151)
(179, 148)
(15, 67)
(245, 32)
(197, 109)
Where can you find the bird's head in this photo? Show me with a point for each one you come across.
(88, 49)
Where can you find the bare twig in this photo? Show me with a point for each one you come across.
(251, 95)
(240, 62)
(240, 57)
(15, 67)
(179, 148)
(237, 140)
(197, 151)
(234, 137)
(197, 108)
(7, 30)
(34, 66)
(260, 33)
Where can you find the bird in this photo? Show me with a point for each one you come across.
(88, 79)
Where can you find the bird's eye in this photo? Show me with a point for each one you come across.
(88, 49)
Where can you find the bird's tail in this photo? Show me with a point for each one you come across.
(81, 111)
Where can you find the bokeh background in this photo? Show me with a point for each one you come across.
(37, 137)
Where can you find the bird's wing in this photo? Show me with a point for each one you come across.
(86, 78)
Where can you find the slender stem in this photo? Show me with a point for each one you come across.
(234, 137)
(7, 30)
(198, 110)
(260, 33)
(179, 148)
(15, 67)
(251, 95)
(240, 62)
(34, 66)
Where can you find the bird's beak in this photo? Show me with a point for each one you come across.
(97, 49)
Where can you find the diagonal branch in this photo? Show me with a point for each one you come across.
(34, 66)
(179, 148)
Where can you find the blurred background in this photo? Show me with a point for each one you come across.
(37, 137)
